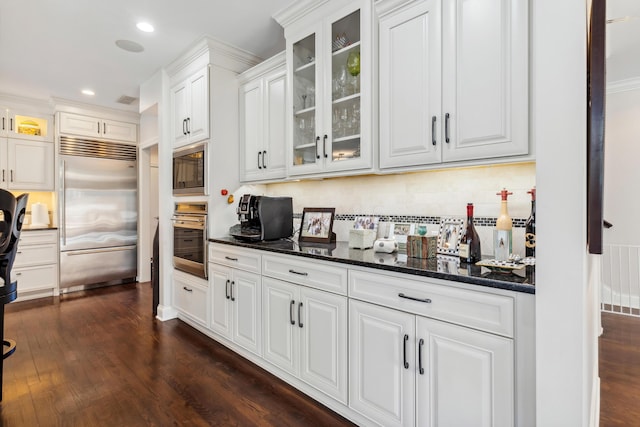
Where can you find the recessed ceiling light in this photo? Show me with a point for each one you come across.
(129, 46)
(145, 26)
(88, 92)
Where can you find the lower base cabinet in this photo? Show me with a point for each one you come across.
(190, 295)
(236, 297)
(36, 265)
(305, 334)
(407, 370)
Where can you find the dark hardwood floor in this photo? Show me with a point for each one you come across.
(99, 358)
(620, 371)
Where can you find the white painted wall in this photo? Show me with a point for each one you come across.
(622, 151)
(566, 353)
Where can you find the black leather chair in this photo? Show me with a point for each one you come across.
(13, 211)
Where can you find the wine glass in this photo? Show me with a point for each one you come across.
(353, 66)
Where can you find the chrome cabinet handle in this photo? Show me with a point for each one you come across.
(2, 175)
(187, 289)
(317, 141)
(299, 315)
(404, 351)
(188, 125)
(231, 259)
(293, 322)
(425, 300)
(226, 290)
(264, 163)
(98, 123)
(11, 124)
(433, 130)
(259, 153)
(11, 172)
(104, 128)
(232, 297)
(446, 127)
(3, 123)
(324, 146)
(420, 368)
(184, 126)
(298, 272)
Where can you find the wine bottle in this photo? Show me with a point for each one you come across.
(469, 250)
(530, 228)
(502, 235)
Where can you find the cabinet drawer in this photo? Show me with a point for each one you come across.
(28, 237)
(316, 274)
(479, 310)
(243, 259)
(190, 298)
(35, 278)
(36, 255)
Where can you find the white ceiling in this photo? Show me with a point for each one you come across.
(56, 48)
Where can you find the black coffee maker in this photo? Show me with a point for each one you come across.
(263, 218)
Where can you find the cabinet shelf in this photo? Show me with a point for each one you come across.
(346, 138)
(304, 146)
(305, 111)
(346, 98)
(304, 67)
(346, 49)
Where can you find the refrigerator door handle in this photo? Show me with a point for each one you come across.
(62, 203)
(99, 251)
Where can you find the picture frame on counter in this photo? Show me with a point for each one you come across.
(317, 225)
(449, 236)
(400, 231)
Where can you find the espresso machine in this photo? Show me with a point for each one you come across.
(263, 218)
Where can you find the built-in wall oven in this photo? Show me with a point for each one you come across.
(190, 238)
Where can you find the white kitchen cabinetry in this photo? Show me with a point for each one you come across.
(330, 97)
(236, 297)
(190, 108)
(26, 164)
(191, 296)
(36, 265)
(21, 124)
(408, 369)
(263, 121)
(453, 82)
(96, 127)
(306, 335)
(305, 326)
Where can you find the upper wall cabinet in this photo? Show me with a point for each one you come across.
(262, 100)
(330, 97)
(453, 80)
(190, 108)
(20, 124)
(96, 127)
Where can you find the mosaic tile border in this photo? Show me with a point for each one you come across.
(416, 219)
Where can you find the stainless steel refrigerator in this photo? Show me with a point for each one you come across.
(98, 213)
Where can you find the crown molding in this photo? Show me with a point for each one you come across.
(296, 10)
(24, 103)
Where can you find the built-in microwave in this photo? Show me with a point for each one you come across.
(190, 170)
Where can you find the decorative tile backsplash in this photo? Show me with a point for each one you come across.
(421, 198)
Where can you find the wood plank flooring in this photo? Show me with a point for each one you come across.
(98, 358)
(620, 371)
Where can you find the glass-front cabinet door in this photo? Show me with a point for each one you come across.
(331, 70)
(305, 114)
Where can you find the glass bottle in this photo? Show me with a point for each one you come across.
(502, 234)
(469, 250)
(530, 228)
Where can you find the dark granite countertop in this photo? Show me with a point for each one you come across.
(442, 267)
